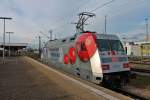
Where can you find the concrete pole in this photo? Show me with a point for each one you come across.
(39, 46)
(9, 40)
(4, 43)
(4, 18)
(146, 22)
(105, 24)
(51, 34)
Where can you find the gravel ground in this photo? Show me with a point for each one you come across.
(139, 91)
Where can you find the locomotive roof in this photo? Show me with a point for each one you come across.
(72, 38)
(107, 36)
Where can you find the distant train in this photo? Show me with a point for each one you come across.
(99, 58)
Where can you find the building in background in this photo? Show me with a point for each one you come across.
(145, 49)
(132, 49)
(138, 49)
(15, 48)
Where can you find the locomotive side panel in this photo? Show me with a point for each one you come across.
(79, 68)
(55, 55)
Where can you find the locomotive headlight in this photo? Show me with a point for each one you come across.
(105, 67)
(126, 65)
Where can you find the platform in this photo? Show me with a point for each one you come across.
(27, 79)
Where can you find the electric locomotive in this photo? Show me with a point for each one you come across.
(91, 56)
(99, 58)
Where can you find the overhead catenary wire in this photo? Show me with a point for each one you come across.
(83, 16)
(98, 7)
(45, 35)
(101, 6)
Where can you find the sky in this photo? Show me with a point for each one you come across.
(125, 18)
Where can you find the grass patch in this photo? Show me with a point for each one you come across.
(141, 82)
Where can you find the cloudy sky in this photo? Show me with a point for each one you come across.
(124, 17)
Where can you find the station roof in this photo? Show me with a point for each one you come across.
(15, 46)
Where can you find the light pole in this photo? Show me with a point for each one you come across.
(9, 33)
(51, 34)
(4, 18)
(105, 24)
(39, 46)
(146, 22)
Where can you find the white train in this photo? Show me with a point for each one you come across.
(99, 58)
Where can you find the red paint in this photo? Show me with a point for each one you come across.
(113, 52)
(94, 36)
(105, 67)
(66, 59)
(86, 46)
(126, 65)
(72, 55)
(114, 59)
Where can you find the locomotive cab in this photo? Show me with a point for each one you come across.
(87, 51)
(108, 60)
(114, 61)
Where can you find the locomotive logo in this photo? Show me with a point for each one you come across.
(88, 42)
(85, 47)
(66, 59)
(72, 55)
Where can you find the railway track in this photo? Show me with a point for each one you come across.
(126, 93)
(132, 95)
(140, 70)
(144, 63)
